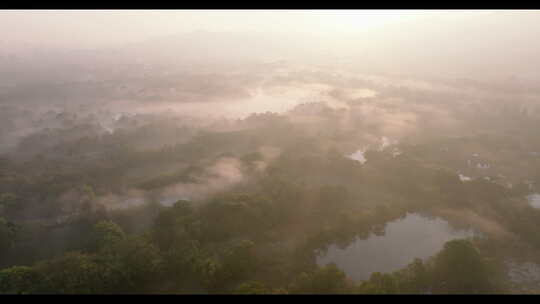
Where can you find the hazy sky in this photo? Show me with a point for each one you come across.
(94, 28)
(465, 42)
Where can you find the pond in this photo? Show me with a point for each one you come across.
(524, 273)
(534, 200)
(414, 236)
(358, 156)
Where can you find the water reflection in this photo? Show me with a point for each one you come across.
(534, 200)
(414, 236)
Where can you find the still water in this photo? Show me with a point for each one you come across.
(534, 200)
(412, 237)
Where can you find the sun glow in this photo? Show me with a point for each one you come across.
(358, 20)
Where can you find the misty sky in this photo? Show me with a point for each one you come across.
(470, 43)
(94, 28)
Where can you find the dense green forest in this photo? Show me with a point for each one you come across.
(247, 206)
(273, 152)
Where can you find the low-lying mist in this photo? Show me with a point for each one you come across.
(216, 146)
